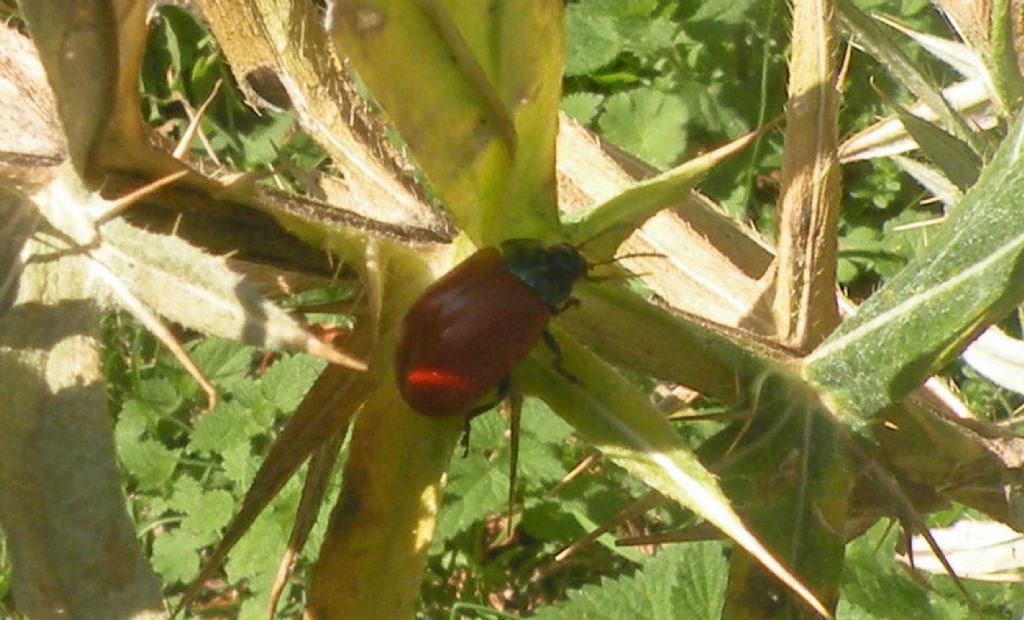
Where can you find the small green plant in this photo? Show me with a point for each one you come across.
(188, 470)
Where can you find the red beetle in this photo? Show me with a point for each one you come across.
(465, 334)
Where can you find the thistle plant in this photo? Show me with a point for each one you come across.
(441, 121)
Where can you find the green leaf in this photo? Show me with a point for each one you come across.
(149, 462)
(895, 59)
(203, 75)
(605, 226)
(548, 519)
(187, 493)
(1005, 74)
(320, 296)
(544, 448)
(540, 424)
(476, 489)
(160, 395)
(969, 277)
(593, 510)
(862, 238)
(623, 424)
(262, 147)
(847, 270)
(648, 36)
(175, 555)
(289, 379)
(591, 39)
(136, 418)
(647, 123)
(797, 481)
(258, 552)
(931, 179)
(723, 11)
(254, 607)
(228, 425)
(900, 243)
(240, 465)
(473, 88)
(251, 396)
(184, 37)
(959, 163)
(582, 107)
(684, 580)
(208, 515)
(477, 484)
(876, 588)
(222, 361)
(167, 42)
(896, 7)
(621, 9)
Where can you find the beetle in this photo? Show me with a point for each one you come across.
(461, 339)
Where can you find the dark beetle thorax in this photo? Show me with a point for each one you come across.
(550, 270)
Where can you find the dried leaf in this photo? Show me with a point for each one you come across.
(199, 291)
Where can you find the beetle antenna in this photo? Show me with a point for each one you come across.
(625, 256)
(617, 276)
(620, 276)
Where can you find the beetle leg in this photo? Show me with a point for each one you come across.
(501, 393)
(503, 390)
(514, 403)
(464, 440)
(556, 350)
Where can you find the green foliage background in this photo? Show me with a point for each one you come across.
(663, 80)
